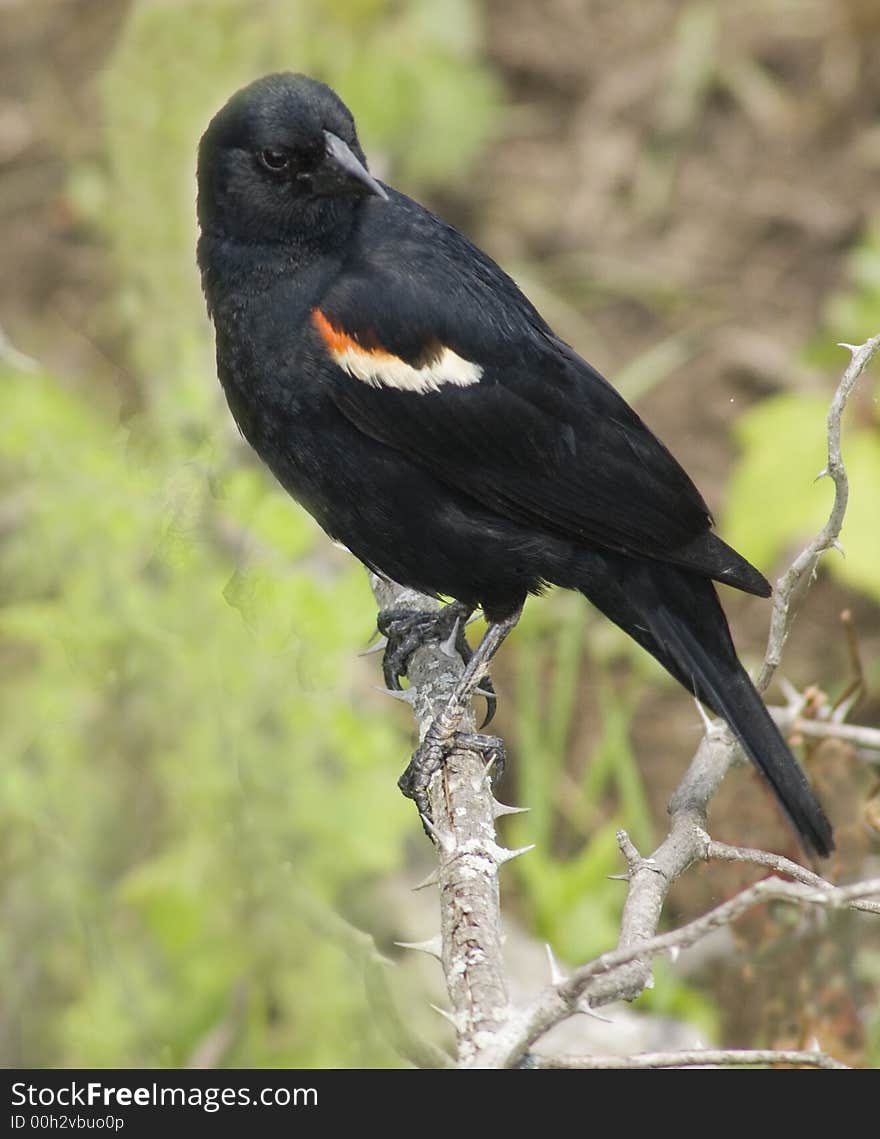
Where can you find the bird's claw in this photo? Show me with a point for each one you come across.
(413, 783)
(487, 691)
(406, 630)
(491, 748)
(432, 753)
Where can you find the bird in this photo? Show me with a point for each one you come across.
(403, 390)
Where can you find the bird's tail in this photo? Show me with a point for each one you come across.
(677, 617)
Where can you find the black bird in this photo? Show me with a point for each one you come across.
(400, 386)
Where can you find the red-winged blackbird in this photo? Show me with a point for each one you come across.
(400, 386)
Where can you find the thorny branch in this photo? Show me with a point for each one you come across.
(490, 1032)
(568, 996)
(463, 828)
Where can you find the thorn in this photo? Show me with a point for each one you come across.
(432, 946)
(792, 697)
(407, 695)
(447, 647)
(843, 709)
(431, 880)
(484, 693)
(701, 712)
(502, 855)
(851, 348)
(835, 545)
(486, 777)
(446, 1016)
(617, 877)
(444, 839)
(823, 474)
(499, 809)
(586, 1009)
(674, 952)
(483, 781)
(377, 648)
(813, 1045)
(429, 826)
(556, 974)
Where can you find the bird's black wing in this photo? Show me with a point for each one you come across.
(443, 359)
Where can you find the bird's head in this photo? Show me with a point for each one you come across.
(281, 159)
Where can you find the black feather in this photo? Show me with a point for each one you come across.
(529, 470)
(676, 616)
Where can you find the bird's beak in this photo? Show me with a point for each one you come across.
(348, 170)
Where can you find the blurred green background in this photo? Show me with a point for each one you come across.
(203, 850)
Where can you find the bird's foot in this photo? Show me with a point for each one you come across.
(444, 735)
(432, 753)
(408, 629)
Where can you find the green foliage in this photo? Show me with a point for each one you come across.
(192, 768)
(571, 901)
(186, 747)
(774, 501)
(773, 496)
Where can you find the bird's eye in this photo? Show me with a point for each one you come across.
(274, 159)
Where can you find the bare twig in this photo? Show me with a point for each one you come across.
(793, 583)
(651, 879)
(698, 1058)
(861, 737)
(564, 999)
(724, 853)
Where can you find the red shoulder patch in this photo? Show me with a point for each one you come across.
(379, 368)
(337, 340)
